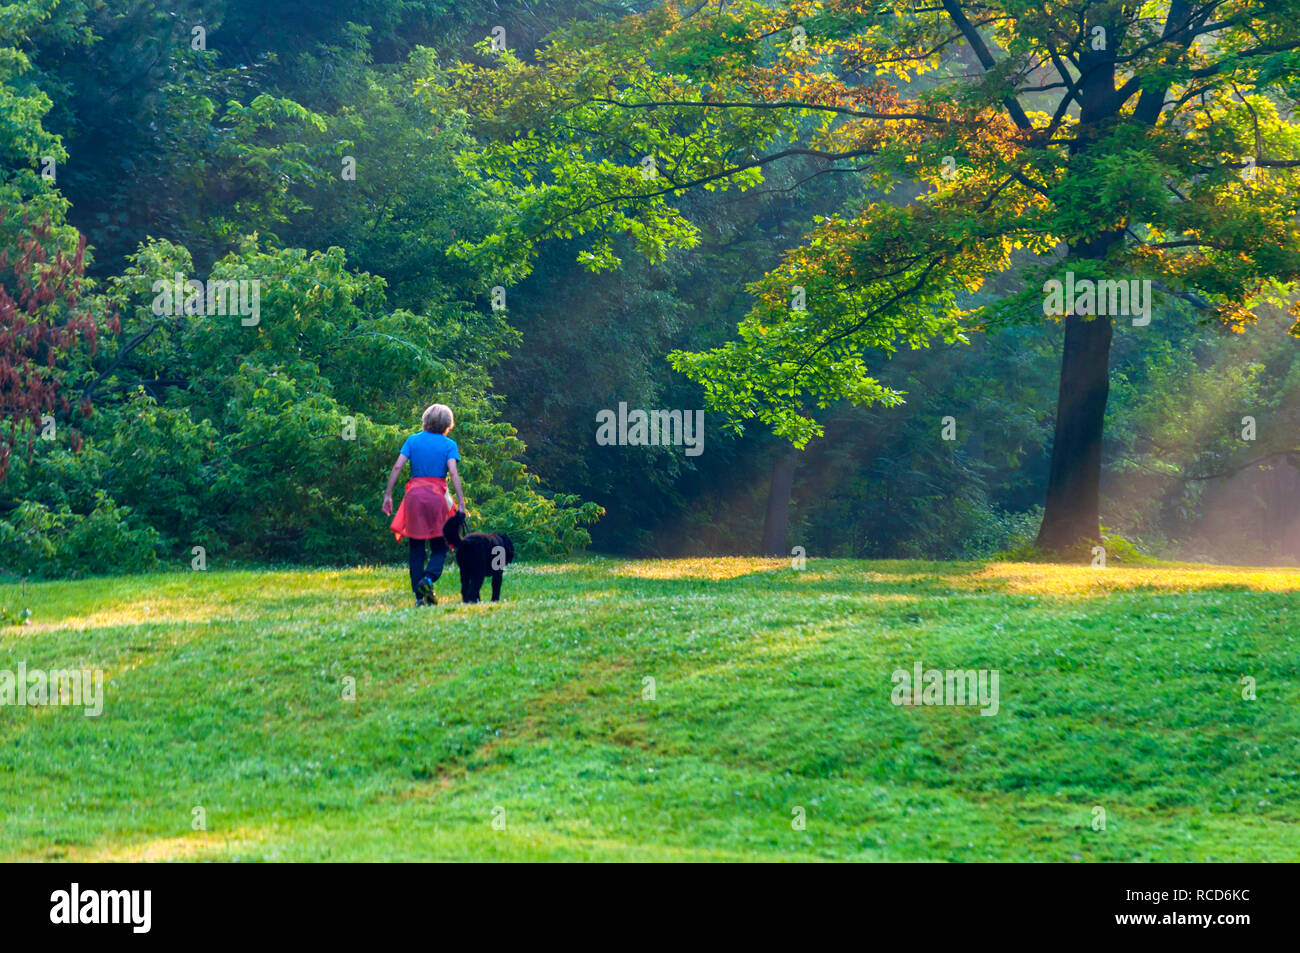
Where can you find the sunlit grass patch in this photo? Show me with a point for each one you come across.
(1051, 579)
(722, 567)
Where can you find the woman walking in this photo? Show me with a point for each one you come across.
(425, 507)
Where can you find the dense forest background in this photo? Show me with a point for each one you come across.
(226, 157)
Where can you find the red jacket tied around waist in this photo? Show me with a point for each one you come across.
(424, 509)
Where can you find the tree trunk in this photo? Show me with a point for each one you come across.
(778, 505)
(1073, 509)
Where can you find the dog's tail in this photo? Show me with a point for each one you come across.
(451, 530)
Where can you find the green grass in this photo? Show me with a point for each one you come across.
(1120, 688)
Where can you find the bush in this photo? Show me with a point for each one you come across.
(38, 540)
(1001, 534)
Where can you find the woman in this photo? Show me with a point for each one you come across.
(425, 507)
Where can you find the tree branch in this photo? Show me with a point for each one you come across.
(1233, 471)
(775, 104)
(986, 59)
(121, 356)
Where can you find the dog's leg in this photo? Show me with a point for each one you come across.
(475, 587)
(467, 590)
(496, 585)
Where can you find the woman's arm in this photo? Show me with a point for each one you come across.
(455, 481)
(392, 481)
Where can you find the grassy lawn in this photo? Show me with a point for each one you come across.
(1119, 689)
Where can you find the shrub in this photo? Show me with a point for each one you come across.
(56, 542)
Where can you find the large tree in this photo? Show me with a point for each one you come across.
(1029, 140)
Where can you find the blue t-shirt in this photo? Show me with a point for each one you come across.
(429, 453)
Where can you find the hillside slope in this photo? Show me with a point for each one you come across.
(1119, 689)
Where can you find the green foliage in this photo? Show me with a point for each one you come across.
(409, 201)
(272, 440)
(35, 539)
(526, 170)
(1165, 155)
(1124, 551)
(268, 438)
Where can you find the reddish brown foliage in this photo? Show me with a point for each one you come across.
(40, 324)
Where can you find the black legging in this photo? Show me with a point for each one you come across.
(433, 569)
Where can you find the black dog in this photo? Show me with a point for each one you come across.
(478, 555)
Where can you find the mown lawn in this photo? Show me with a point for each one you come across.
(1119, 689)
